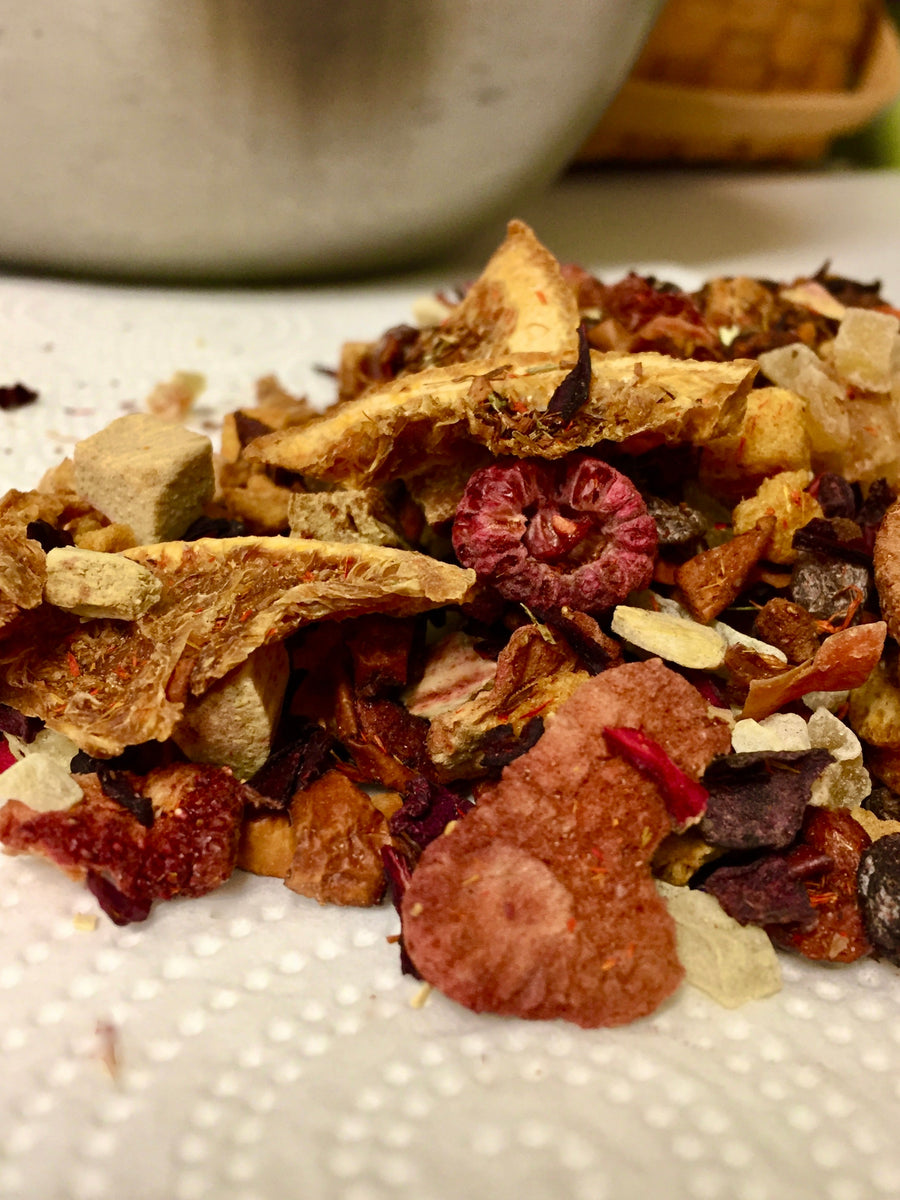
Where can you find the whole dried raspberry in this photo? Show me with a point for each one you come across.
(548, 535)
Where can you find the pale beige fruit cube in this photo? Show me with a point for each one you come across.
(233, 723)
(151, 474)
(351, 515)
(875, 710)
(90, 583)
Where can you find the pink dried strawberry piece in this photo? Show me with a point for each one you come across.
(540, 902)
(685, 799)
(573, 533)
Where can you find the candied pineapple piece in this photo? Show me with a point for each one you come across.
(784, 498)
(41, 781)
(873, 451)
(845, 782)
(864, 346)
(772, 437)
(875, 710)
(800, 369)
(732, 963)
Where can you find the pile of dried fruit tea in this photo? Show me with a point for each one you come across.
(573, 622)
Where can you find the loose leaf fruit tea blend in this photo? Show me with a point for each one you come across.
(571, 623)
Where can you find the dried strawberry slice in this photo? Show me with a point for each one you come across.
(573, 533)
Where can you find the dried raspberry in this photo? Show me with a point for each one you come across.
(548, 535)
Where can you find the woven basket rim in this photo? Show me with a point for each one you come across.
(670, 111)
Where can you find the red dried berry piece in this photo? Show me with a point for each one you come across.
(573, 533)
(685, 799)
(189, 849)
(838, 934)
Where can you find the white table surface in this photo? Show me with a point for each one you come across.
(268, 1048)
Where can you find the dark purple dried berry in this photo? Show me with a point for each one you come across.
(295, 765)
(47, 537)
(121, 909)
(763, 892)
(248, 428)
(884, 803)
(139, 760)
(879, 499)
(427, 810)
(214, 527)
(20, 726)
(835, 494)
(879, 894)
(118, 787)
(758, 799)
(399, 874)
(575, 389)
(502, 746)
(833, 539)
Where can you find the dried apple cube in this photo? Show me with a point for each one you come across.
(233, 722)
(90, 583)
(875, 709)
(151, 474)
(799, 368)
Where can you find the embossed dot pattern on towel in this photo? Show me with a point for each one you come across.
(241, 1026)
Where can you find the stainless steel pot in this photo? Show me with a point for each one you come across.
(229, 138)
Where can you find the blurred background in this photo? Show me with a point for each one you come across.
(232, 140)
(804, 82)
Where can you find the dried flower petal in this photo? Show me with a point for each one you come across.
(685, 799)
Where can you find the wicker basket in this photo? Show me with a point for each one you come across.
(726, 81)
